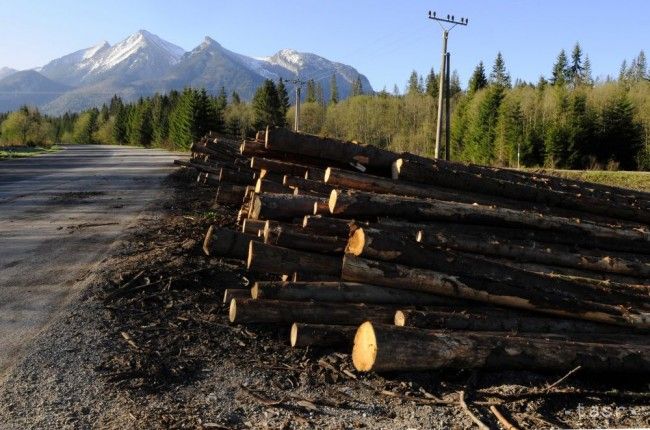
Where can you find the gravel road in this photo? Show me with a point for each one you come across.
(60, 214)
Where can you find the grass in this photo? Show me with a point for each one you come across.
(9, 152)
(633, 180)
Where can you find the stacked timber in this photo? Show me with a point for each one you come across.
(411, 263)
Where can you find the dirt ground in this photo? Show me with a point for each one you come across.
(148, 345)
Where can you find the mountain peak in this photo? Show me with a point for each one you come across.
(209, 42)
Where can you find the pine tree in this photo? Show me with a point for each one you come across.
(140, 127)
(182, 127)
(454, 84)
(334, 90)
(621, 136)
(234, 98)
(559, 75)
(478, 79)
(622, 73)
(432, 84)
(499, 75)
(640, 67)
(320, 97)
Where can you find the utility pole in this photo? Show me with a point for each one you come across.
(298, 83)
(447, 106)
(444, 71)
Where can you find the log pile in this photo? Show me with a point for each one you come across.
(411, 263)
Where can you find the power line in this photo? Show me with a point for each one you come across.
(443, 91)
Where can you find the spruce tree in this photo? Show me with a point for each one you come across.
(234, 98)
(587, 76)
(478, 79)
(575, 71)
(320, 97)
(432, 84)
(499, 75)
(334, 90)
(559, 75)
(120, 123)
(266, 105)
(284, 99)
(414, 84)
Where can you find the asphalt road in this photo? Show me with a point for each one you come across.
(60, 213)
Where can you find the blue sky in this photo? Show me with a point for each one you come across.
(385, 40)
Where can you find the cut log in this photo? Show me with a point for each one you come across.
(276, 166)
(252, 226)
(322, 336)
(327, 226)
(536, 252)
(315, 174)
(499, 320)
(426, 173)
(296, 238)
(360, 204)
(312, 277)
(232, 176)
(488, 233)
(229, 194)
(226, 243)
(355, 269)
(348, 292)
(283, 206)
(281, 139)
(264, 258)
(243, 311)
(383, 348)
(251, 148)
(236, 293)
(266, 186)
(306, 185)
(390, 246)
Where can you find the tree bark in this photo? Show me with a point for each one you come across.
(361, 204)
(276, 166)
(243, 311)
(264, 258)
(500, 320)
(291, 238)
(283, 206)
(227, 243)
(322, 336)
(347, 292)
(307, 185)
(355, 269)
(536, 252)
(252, 227)
(315, 174)
(389, 348)
(228, 194)
(327, 226)
(232, 176)
(418, 172)
(266, 186)
(281, 139)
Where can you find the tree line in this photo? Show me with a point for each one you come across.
(568, 120)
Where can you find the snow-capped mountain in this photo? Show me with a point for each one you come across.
(143, 63)
(6, 71)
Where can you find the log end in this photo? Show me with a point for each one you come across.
(207, 240)
(293, 336)
(251, 252)
(419, 237)
(328, 172)
(356, 242)
(315, 212)
(232, 312)
(400, 318)
(258, 186)
(255, 291)
(332, 200)
(285, 179)
(364, 351)
(253, 161)
(396, 167)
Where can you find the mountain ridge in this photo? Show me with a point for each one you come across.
(143, 63)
